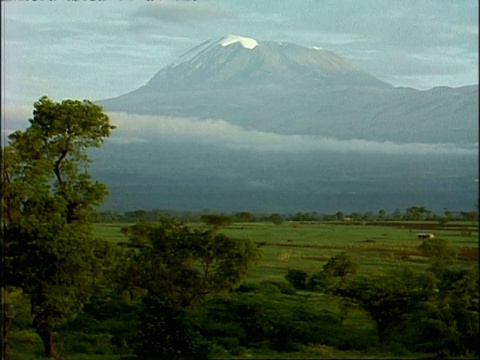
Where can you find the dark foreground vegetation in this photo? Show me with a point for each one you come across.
(150, 285)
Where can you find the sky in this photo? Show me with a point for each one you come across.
(101, 49)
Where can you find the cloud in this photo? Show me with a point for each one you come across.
(179, 12)
(14, 117)
(124, 140)
(403, 33)
(221, 133)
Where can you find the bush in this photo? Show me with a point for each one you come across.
(277, 219)
(284, 287)
(168, 334)
(298, 278)
(340, 266)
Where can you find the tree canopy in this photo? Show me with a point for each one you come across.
(178, 268)
(47, 198)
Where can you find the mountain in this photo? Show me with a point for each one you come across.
(290, 89)
(242, 124)
(235, 61)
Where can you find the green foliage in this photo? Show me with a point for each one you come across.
(216, 220)
(416, 213)
(267, 317)
(167, 334)
(451, 324)
(301, 216)
(440, 254)
(338, 269)
(47, 198)
(340, 265)
(244, 216)
(388, 299)
(298, 278)
(277, 219)
(179, 267)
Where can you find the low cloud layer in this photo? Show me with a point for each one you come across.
(143, 128)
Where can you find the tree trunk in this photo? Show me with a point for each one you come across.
(380, 336)
(48, 342)
(6, 326)
(381, 332)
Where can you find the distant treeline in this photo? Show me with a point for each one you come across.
(414, 213)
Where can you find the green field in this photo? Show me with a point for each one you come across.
(309, 245)
(376, 248)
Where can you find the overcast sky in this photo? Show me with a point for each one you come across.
(100, 49)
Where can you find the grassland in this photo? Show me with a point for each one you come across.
(375, 247)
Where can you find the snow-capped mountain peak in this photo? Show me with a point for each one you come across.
(247, 43)
(233, 61)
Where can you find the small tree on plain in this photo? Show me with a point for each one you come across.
(277, 219)
(217, 221)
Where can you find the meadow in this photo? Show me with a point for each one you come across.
(376, 247)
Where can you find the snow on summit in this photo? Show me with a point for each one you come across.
(244, 41)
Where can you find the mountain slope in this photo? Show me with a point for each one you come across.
(227, 63)
(289, 89)
(264, 92)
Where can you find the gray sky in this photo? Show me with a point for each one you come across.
(100, 49)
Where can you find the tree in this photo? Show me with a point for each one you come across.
(397, 214)
(216, 221)
(338, 269)
(298, 278)
(388, 298)
(244, 216)
(440, 254)
(341, 266)
(450, 326)
(47, 198)
(382, 213)
(416, 213)
(179, 268)
(277, 219)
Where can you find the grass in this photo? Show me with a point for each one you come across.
(307, 246)
(110, 232)
(376, 248)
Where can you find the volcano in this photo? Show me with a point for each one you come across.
(291, 89)
(238, 123)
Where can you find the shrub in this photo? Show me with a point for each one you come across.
(298, 278)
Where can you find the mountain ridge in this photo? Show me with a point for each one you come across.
(213, 63)
(203, 132)
(289, 89)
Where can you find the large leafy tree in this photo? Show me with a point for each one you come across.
(389, 299)
(451, 326)
(179, 267)
(47, 198)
